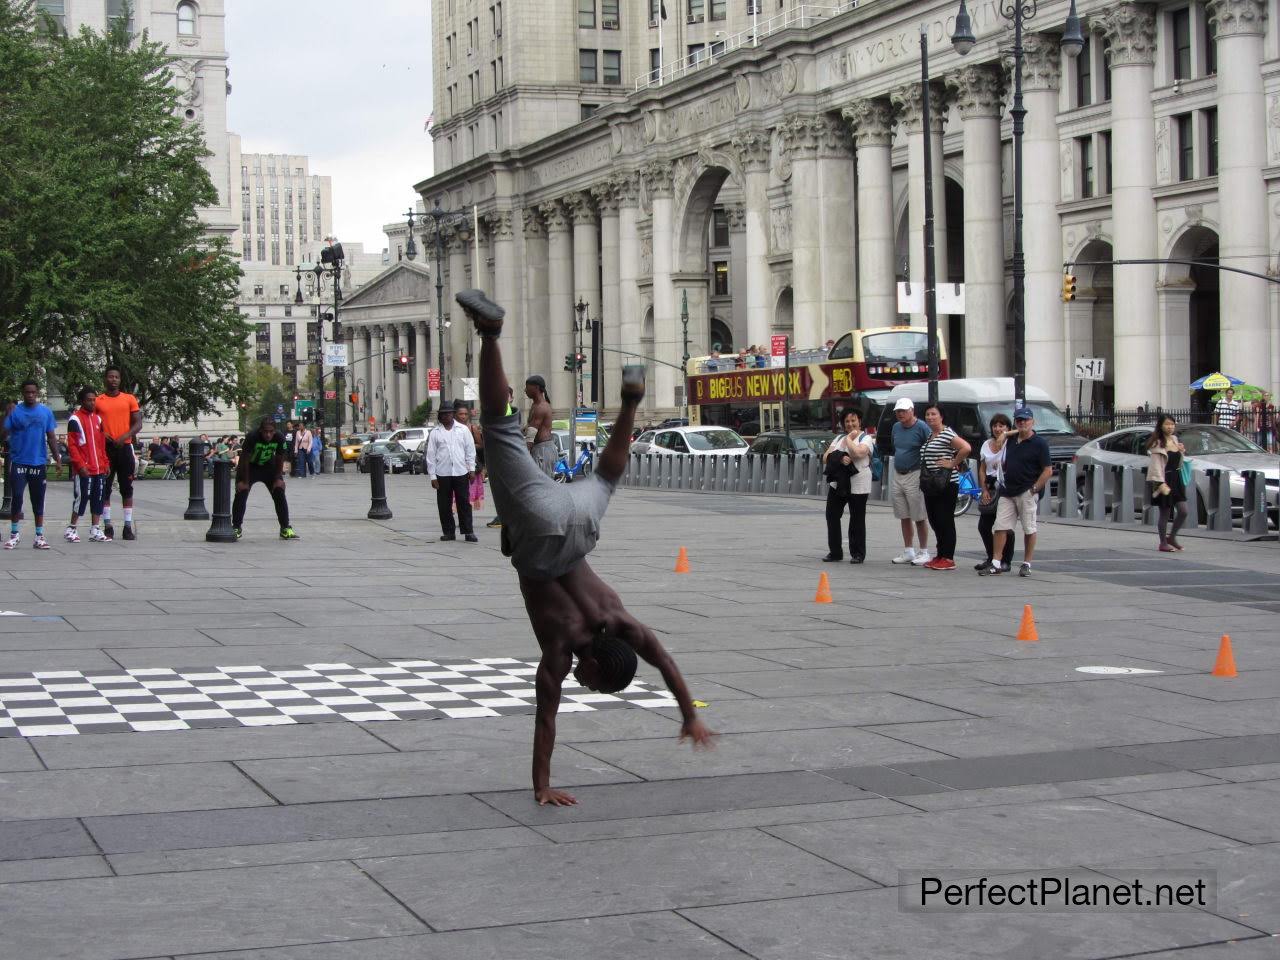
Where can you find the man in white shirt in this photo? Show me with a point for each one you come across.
(451, 464)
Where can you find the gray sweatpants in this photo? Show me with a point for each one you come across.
(547, 527)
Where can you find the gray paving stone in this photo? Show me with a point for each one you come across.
(1241, 774)
(25, 661)
(886, 781)
(118, 790)
(1256, 948)
(475, 733)
(193, 912)
(1241, 811)
(1217, 752)
(202, 746)
(1057, 833)
(500, 766)
(797, 683)
(17, 754)
(973, 773)
(797, 713)
(666, 798)
(297, 823)
(1028, 792)
(34, 839)
(1249, 685)
(662, 873)
(310, 851)
(651, 936)
(56, 868)
(89, 640)
(266, 655)
(869, 926)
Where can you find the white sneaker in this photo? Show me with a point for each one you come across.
(41, 543)
(921, 558)
(71, 536)
(97, 536)
(12, 542)
(907, 556)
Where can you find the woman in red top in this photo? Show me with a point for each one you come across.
(87, 445)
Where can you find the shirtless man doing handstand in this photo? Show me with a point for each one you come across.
(548, 530)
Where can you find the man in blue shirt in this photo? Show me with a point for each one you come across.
(1026, 472)
(909, 435)
(29, 427)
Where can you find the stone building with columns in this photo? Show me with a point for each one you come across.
(1161, 140)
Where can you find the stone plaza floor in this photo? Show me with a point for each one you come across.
(320, 750)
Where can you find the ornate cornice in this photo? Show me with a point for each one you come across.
(737, 215)
(554, 216)
(605, 195)
(752, 149)
(908, 105)
(531, 224)
(581, 209)
(871, 121)
(658, 178)
(626, 186)
(977, 90)
(1233, 18)
(501, 225)
(1041, 62)
(1130, 30)
(809, 135)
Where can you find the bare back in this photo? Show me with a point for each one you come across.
(540, 420)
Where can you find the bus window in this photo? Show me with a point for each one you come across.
(843, 350)
(896, 347)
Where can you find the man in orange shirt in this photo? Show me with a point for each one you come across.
(121, 419)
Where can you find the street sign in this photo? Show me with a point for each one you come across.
(950, 298)
(331, 394)
(433, 382)
(778, 345)
(335, 354)
(584, 425)
(471, 388)
(911, 298)
(371, 421)
(1091, 368)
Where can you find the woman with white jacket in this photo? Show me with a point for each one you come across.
(847, 467)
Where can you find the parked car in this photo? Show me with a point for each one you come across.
(411, 438)
(394, 456)
(1208, 447)
(350, 448)
(802, 441)
(693, 441)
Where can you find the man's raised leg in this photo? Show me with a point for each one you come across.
(487, 317)
(613, 461)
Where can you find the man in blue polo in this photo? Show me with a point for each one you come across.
(29, 427)
(1026, 472)
(909, 435)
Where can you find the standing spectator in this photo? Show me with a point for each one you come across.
(909, 435)
(122, 418)
(1263, 416)
(942, 456)
(1027, 469)
(990, 471)
(848, 463)
(537, 431)
(1226, 412)
(451, 465)
(301, 450)
(29, 426)
(87, 441)
(1164, 472)
(291, 444)
(262, 461)
(317, 449)
(475, 492)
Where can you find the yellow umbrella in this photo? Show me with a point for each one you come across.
(1216, 381)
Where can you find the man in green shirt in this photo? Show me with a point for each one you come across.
(262, 460)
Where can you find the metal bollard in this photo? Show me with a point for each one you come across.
(196, 509)
(1218, 503)
(1254, 518)
(1122, 477)
(338, 465)
(220, 530)
(1068, 492)
(1095, 491)
(1193, 502)
(378, 509)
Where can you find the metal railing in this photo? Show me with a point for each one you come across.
(800, 16)
(1256, 423)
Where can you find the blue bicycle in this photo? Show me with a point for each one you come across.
(565, 473)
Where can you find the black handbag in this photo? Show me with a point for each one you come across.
(934, 482)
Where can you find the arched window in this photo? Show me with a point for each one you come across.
(186, 19)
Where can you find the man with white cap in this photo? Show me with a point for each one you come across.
(909, 435)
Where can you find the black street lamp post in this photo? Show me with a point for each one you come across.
(684, 364)
(440, 219)
(1072, 42)
(330, 265)
(580, 321)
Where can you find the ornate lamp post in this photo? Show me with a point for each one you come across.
(440, 219)
(1072, 42)
(684, 361)
(331, 265)
(580, 321)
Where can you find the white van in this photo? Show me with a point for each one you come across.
(411, 438)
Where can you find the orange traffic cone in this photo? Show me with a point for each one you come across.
(824, 590)
(682, 561)
(1225, 666)
(1027, 629)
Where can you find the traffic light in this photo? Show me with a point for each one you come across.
(579, 360)
(353, 398)
(1068, 287)
(569, 363)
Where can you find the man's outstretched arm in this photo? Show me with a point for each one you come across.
(550, 677)
(646, 645)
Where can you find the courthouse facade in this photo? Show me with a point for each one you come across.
(763, 162)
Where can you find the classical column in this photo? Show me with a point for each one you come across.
(586, 268)
(1046, 355)
(836, 239)
(606, 197)
(908, 102)
(1245, 329)
(422, 362)
(752, 150)
(801, 137)
(668, 344)
(559, 304)
(872, 123)
(977, 91)
(405, 380)
(1130, 30)
(368, 365)
(737, 215)
(627, 335)
(537, 329)
(458, 334)
(505, 285)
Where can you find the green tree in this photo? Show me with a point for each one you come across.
(420, 414)
(261, 389)
(103, 256)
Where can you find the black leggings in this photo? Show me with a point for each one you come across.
(941, 509)
(1179, 513)
(986, 522)
(857, 522)
(267, 478)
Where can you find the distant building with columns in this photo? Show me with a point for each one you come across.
(774, 180)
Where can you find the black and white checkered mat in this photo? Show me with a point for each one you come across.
(54, 702)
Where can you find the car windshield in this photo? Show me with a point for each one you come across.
(1049, 419)
(715, 440)
(816, 444)
(1210, 440)
(909, 345)
(386, 446)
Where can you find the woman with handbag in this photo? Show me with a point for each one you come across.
(1166, 458)
(847, 468)
(990, 471)
(941, 458)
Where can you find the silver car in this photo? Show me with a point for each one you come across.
(1208, 447)
(689, 441)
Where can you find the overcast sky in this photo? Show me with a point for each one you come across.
(347, 84)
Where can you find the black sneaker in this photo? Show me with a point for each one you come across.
(992, 570)
(982, 565)
(495, 522)
(471, 538)
(1024, 570)
(483, 312)
(448, 536)
(128, 532)
(109, 530)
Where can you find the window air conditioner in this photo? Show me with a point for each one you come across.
(693, 18)
(610, 24)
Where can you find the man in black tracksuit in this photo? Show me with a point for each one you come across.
(262, 460)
